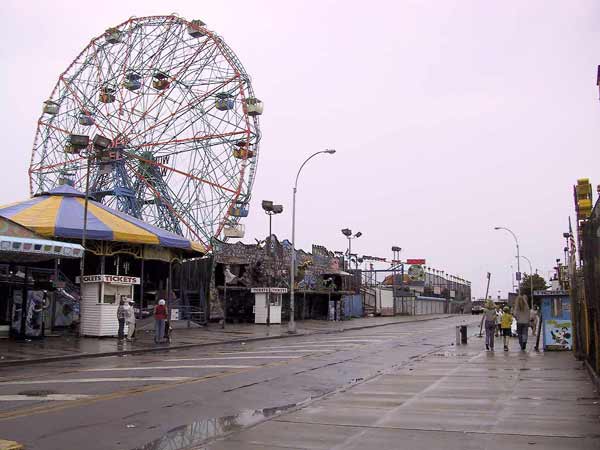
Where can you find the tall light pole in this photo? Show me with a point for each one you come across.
(395, 263)
(292, 323)
(518, 277)
(348, 233)
(512, 277)
(530, 278)
(270, 209)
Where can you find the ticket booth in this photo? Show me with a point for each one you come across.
(267, 303)
(100, 297)
(556, 317)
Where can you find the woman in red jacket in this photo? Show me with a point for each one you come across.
(160, 316)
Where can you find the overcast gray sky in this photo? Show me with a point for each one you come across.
(448, 117)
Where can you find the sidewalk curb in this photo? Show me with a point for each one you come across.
(140, 351)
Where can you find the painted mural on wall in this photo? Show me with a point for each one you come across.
(558, 334)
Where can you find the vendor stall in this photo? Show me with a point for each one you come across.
(25, 301)
(267, 303)
(556, 319)
(114, 242)
(100, 297)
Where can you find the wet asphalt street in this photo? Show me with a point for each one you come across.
(184, 398)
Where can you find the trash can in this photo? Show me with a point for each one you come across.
(463, 334)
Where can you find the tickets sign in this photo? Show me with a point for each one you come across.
(266, 290)
(113, 279)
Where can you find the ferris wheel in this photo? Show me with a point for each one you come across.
(158, 118)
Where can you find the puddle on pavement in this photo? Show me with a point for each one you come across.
(37, 393)
(193, 435)
(449, 354)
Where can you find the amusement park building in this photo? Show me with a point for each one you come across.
(23, 285)
(322, 288)
(125, 258)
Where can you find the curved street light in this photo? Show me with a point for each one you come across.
(517, 244)
(530, 278)
(292, 323)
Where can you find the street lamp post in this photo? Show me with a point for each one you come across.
(530, 278)
(395, 263)
(348, 233)
(292, 323)
(270, 209)
(518, 277)
(512, 277)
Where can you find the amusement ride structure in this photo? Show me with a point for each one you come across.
(156, 118)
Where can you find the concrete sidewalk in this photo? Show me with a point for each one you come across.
(462, 398)
(58, 348)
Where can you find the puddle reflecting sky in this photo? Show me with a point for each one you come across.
(191, 436)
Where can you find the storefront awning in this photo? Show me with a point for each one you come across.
(28, 250)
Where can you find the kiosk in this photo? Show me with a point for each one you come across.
(556, 317)
(261, 304)
(100, 297)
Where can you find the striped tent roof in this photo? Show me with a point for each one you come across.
(59, 213)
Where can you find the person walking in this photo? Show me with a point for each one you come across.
(522, 314)
(498, 322)
(489, 316)
(130, 319)
(506, 324)
(533, 320)
(160, 316)
(121, 313)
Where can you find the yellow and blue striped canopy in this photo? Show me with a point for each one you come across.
(59, 213)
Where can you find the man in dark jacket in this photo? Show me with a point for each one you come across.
(121, 313)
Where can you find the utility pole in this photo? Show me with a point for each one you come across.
(270, 209)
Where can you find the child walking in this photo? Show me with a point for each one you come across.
(506, 325)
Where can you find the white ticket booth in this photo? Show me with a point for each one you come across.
(100, 297)
(265, 299)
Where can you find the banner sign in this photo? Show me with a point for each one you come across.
(266, 290)
(114, 279)
(418, 262)
(551, 293)
(373, 258)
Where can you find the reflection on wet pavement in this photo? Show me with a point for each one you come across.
(196, 433)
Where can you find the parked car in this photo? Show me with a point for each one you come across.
(477, 307)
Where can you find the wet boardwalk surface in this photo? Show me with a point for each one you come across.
(71, 346)
(458, 398)
(398, 386)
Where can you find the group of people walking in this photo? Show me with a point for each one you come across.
(126, 315)
(501, 320)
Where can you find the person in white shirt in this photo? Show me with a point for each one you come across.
(533, 319)
(130, 319)
(498, 322)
